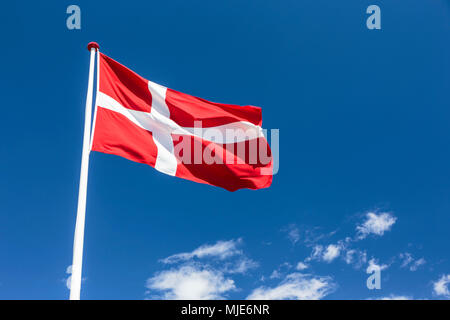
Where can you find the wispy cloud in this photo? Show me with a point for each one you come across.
(312, 236)
(409, 262)
(293, 233)
(242, 265)
(441, 286)
(221, 250)
(296, 286)
(407, 259)
(373, 264)
(331, 252)
(301, 266)
(395, 297)
(355, 257)
(191, 282)
(281, 270)
(68, 279)
(417, 264)
(69, 276)
(327, 253)
(275, 274)
(316, 253)
(376, 224)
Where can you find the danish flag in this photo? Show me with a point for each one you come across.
(179, 134)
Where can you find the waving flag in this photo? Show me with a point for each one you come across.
(178, 134)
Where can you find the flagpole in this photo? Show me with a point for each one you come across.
(75, 283)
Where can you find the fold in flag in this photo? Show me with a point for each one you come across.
(178, 134)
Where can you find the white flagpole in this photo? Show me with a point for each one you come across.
(75, 284)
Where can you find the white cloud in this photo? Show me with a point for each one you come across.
(296, 286)
(191, 283)
(316, 253)
(331, 253)
(202, 274)
(349, 256)
(69, 277)
(373, 264)
(221, 250)
(301, 266)
(241, 266)
(376, 224)
(293, 233)
(408, 261)
(275, 274)
(395, 297)
(281, 270)
(68, 280)
(224, 254)
(441, 287)
(417, 264)
(355, 257)
(313, 236)
(326, 254)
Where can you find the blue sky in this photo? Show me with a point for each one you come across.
(364, 152)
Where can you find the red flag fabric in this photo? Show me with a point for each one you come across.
(178, 134)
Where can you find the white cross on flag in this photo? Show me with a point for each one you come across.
(178, 134)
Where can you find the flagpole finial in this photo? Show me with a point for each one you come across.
(93, 45)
